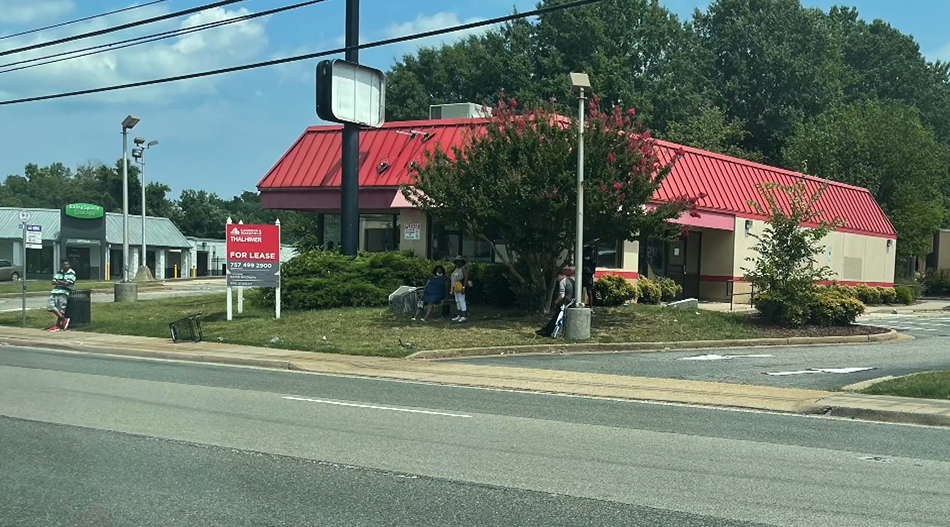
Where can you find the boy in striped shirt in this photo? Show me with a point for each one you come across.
(63, 283)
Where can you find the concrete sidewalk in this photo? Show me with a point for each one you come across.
(919, 411)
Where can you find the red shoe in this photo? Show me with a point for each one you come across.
(54, 328)
(65, 323)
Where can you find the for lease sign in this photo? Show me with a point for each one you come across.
(253, 243)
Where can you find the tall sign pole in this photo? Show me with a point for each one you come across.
(227, 267)
(24, 219)
(277, 291)
(349, 185)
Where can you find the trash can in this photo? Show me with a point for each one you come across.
(79, 308)
(188, 328)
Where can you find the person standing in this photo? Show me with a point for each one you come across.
(565, 296)
(63, 283)
(460, 282)
(588, 271)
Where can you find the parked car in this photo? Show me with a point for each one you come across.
(10, 272)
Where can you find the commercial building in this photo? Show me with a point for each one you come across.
(92, 243)
(708, 261)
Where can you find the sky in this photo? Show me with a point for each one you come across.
(223, 133)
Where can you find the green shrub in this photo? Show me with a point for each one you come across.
(936, 282)
(612, 290)
(868, 295)
(669, 289)
(786, 312)
(888, 295)
(327, 279)
(905, 294)
(834, 309)
(826, 306)
(650, 291)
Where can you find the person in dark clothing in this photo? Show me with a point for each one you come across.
(588, 271)
(434, 292)
(565, 296)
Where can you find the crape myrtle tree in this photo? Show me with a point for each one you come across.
(512, 181)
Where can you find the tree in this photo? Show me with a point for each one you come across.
(786, 269)
(776, 64)
(711, 130)
(513, 182)
(882, 146)
(638, 54)
(203, 214)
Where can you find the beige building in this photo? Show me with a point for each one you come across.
(707, 259)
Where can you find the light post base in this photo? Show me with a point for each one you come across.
(577, 323)
(126, 292)
(143, 274)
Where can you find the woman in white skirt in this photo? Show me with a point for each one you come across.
(460, 281)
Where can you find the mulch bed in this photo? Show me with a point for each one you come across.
(814, 331)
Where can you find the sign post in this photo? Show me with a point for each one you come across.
(24, 217)
(253, 260)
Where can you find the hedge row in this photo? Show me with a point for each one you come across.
(612, 290)
(325, 279)
(873, 296)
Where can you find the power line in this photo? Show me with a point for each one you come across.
(297, 58)
(120, 27)
(78, 20)
(112, 46)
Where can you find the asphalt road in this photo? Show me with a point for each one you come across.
(176, 289)
(930, 350)
(90, 440)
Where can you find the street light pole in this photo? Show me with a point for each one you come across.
(577, 318)
(139, 154)
(126, 291)
(349, 183)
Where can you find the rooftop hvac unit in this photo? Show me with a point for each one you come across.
(462, 110)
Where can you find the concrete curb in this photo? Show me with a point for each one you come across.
(888, 416)
(648, 347)
(152, 354)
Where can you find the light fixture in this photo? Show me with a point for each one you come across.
(890, 243)
(129, 122)
(748, 226)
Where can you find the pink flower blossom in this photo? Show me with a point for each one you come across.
(617, 186)
(611, 159)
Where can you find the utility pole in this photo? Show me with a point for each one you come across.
(349, 184)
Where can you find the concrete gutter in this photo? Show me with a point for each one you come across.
(648, 347)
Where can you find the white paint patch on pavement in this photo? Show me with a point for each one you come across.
(820, 370)
(374, 407)
(713, 356)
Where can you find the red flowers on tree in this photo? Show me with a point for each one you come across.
(513, 181)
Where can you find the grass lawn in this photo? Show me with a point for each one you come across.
(375, 331)
(43, 287)
(929, 385)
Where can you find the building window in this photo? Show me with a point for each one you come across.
(378, 232)
(39, 262)
(609, 255)
(448, 241)
(653, 258)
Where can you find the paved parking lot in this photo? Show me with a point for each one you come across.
(814, 367)
(912, 324)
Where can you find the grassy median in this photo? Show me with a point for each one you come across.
(375, 331)
(929, 385)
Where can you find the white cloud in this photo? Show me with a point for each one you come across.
(209, 49)
(25, 11)
(424, 23)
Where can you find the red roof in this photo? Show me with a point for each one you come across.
(315, 161)
(728, 183)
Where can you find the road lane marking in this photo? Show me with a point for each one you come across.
(819, 370)
(374, 407)
(714, 356)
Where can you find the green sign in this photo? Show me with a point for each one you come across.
(84, 211)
